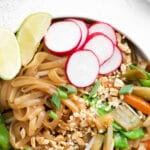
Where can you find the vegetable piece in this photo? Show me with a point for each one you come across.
(52, 114)
(126, 118)
(27, 148)
(30, 33)
(94, 89)
(143, 92)
(108, 140)
(69, 89)
(98, 141)
(55, 100)
(4, 136)
(145, 72)
(104, 28)
(127, 89)
(82, 68)
(84, 31)
(138, 103)
(102, 109)
(147, 144)
(63, 37)
(101, 45)
(145, 83)
(134, 134)
(135, 74)
(91, 100)
(10, 61)
(62, 94)
(117, 127)
(120, 141)
(112, 63)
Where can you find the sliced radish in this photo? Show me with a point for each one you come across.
(113, 63)
(82, 68)
(63, 37)
(101, 45)
(84, 30)
(104, 28)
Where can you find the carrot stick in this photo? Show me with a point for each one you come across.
(147, 144)
(137, 103)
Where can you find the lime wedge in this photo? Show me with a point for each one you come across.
(10, 61)
(30, 33)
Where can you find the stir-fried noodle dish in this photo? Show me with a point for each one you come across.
(43, 109)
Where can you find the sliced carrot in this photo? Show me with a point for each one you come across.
(137, 103)
(147, 144)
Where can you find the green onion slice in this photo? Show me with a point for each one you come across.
(62, 94)
(52, 114)
(126, 89)
(145, 83)
(134, 134)
(55, 100)
(94, 89)
(120, 141)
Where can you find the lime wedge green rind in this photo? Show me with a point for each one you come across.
(10, 62)
(30, 34)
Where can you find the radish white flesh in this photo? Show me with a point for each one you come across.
(105, 29)
(82, 68)
(63, 37)
(113, 63)
(84, 31)
(101, 45)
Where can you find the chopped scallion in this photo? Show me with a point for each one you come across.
(102, 109)
(94, 89)
(52, 114)
(126, 89)
(134, 134)
(145, 83)
(120, 141)
(116, 126)
(71, 89)
(62, 94)
(55, 100)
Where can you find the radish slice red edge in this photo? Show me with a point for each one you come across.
(84, 30)
(113, 63)
(101, 45)
(82, 68)
(104, 28)
(63, 37)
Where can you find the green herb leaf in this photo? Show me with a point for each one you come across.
(52, 114)
(62, 94)
(134, 134)
(55, 101)
(126, 89)
(94, 89)
(120, 141)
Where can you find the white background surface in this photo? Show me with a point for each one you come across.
(132, 17)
